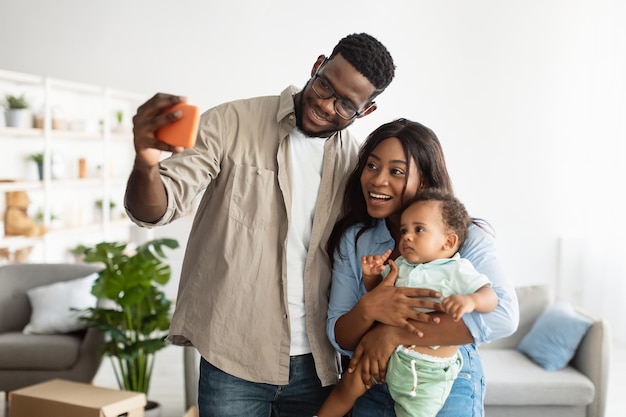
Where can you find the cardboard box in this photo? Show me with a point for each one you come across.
(60, 398)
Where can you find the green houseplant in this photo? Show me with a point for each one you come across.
(119, 116)
(36, 157)
(99, 204)
(15, 102)
(17, 111)
(133, 311)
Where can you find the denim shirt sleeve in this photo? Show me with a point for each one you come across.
(346, 287)
(480, 248)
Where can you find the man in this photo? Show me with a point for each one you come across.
(253, 292)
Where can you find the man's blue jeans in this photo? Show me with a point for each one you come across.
(465, 400)
(223, 395)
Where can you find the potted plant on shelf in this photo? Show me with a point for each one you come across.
(37, 158)
(119, 118)
(99, 215)
(17, 111)
(133, 311)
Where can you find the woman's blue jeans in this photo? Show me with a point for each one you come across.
(223, 395)
(465, 400)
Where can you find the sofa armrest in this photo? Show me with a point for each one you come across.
(592, 359)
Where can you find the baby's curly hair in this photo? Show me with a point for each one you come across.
(454, 214)
(369, 57)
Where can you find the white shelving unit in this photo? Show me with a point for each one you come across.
(74, 121)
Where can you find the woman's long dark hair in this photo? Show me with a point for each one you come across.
(420, 144)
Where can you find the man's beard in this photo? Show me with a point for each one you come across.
(298, 111)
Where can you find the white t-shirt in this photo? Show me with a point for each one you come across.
(307, 155)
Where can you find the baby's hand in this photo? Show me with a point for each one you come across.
(374, 264)
(457, 305)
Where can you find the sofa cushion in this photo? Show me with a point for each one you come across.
(52, 305)
(16, 279)
(532, 302)
(39, 352)
(555, 336)
(513, 379)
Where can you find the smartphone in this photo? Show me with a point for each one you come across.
(183, 131)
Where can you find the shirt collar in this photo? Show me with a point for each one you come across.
(381, 232)
(433, 263)
(286, 107)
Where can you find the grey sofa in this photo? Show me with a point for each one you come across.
(26, 359)
(517, 387)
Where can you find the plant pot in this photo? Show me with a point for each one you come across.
(40, 171)
(22, 118)
(152, 409)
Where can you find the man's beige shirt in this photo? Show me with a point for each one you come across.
(232, 297)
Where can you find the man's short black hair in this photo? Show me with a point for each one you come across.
(369, 57)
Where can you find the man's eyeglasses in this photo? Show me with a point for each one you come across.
(343, 108)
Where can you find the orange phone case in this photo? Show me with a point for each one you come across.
(183, 131)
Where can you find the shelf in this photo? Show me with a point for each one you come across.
(19, 132)
(20, 185)
(20, 78)
(13, 243)
(77, 183)
(75, 134)
(75, 122)
(87, 228)
(122, 136)
(18, 242)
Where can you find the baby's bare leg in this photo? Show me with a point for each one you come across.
(344, 395)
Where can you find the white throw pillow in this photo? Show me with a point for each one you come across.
(51, 305)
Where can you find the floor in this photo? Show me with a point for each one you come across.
(167, 382)
(168, 387)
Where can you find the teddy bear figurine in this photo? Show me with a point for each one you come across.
(17, 222)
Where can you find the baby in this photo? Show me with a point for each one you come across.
(433, 228)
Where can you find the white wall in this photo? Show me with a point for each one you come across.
(527, 97)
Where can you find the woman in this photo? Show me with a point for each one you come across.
(398, 159)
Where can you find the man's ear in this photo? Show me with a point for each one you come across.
(451, 240)
(372, 107)
(318, 64)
